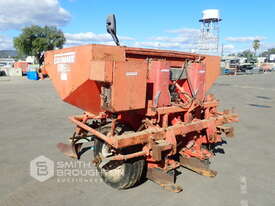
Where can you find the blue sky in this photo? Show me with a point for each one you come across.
(142, 23)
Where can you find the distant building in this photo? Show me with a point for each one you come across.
(271, 58)
(261, 60)
(30, 59)
(6, 62)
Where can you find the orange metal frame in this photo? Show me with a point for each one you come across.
(146, 137)
(114, 83)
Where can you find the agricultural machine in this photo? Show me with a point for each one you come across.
(147, 110)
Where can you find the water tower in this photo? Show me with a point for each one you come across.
(209, 36)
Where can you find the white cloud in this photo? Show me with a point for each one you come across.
(87, 36)
(70, 43)
(190, 34)
(5, 43)
(267, 45)
(90, 37)
(184, 31)
(190, 47)
(228, 46)
(179, 42)
(15, 14)
(244, 39)
(157, 45)
(185, 39)
(171, 39)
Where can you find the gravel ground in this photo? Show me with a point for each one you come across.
(33, 120)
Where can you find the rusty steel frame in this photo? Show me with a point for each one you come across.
(179, 126)
(142, 137)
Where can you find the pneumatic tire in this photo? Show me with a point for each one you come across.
(125, 174)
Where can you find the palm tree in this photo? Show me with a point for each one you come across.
(256, 45)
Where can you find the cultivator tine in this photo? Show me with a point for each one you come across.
(163, 179)
(197, 166)
(67, 149)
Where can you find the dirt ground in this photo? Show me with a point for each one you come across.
(33, 120)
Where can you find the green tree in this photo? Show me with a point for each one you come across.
(256, 45)
(35, 40)
(248, 55)
(268, 52)
(232, 54)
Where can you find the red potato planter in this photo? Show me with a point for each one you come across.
(146, 110)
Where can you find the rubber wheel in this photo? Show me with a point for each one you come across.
(123, 174)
